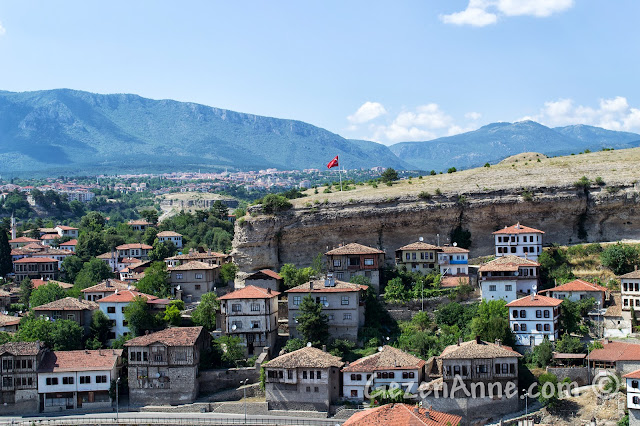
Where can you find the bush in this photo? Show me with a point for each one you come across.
(620, 258)
(451, 170)
(424, 195)
(599, 181)
(527, 195)
(273, 204)
(438, 192)
(389, 176)
(487, 165)
(583, 183)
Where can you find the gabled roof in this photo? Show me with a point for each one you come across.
(402, 415)
(24, 240)
(453, 249)
(509, 263)
(7, 320)
(38, 282)
(107, 255)
(66, 228)
(134, 246)
(419, 245)
(49, 236)
(632, 375)
(35, 260)
(389, 358)
(193, 256)
(68, 304)
(22, 348)
(108, 285)
(577, 285)
(73, 242)
(250, 292)
(168, 234)
(450, 281)
(307, 357)
(267, 272)
(319, 287)
(616, 351)
(84, 360)
(139, 222)
(535, 301)
(125, 296)
(174, 336)
(635, 274)
(193, 265)
(353, 248)
(474, 349)
(615, 305)
(518, 229)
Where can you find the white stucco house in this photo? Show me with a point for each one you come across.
(534, 317)
(518, 240)
(508, 278)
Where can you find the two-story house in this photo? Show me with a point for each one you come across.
(534, 317)
(39, 283)
(630, 291)
(355, 259)
(69, 245)
(508, 277)
(342, 302)
(115, 304)
(68, 308)
(18, 376)
(21, 241)
(306, 379)
(134, 250)
(474, 364)
(139, 224)
(49, 239)
(69, 380)
(518, 240)
(380, 370)
(252, 314)
(418, 257)
(163, 366)
(210, 257)
(191, 280)
(578, 290)
(35, 267)
(264, 278)
(174, 237)
(453, 261)
(66, 231)
(633, 396)
(105, 288)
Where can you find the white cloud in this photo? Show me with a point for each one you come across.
(480, 13)
(3, 31)
(368, 111)
(613, 114)
(473, 116)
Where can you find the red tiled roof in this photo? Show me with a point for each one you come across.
(6, 320)
(38, 282)
(631, 275)
(134, 246)
(67, 228)
(49, 236)
(35, 260)
(130, 260)
(168, 234)
(193, 265)
(537, 300)
(507, 263)
(453, 249)
(473, 349)
(250, 292)
(267, 272)
(73, 242)
(419, 246)
(577, 285)
(450, 281)
(174, 336)
(518, 229)
(616, 351)
(22, 348)
(24, 240)
(353, 248)
(632, 375)
(67, 304)
(139, 222)
(402, 415)
(319, 287)
(108, 285)
(84, 360)
(125, 296)
(389, 358)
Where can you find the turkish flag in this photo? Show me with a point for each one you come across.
(333, 163)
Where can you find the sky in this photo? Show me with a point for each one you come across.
(386, 71)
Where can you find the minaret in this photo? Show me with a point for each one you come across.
(13, 227)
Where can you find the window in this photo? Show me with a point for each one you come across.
(331, 317)
(315, 389)
(508, 287)
(52, 381)
(85, 380)
(7, 364)
(297, 300)
(346, 317)
(547, 327)
(407, 256)
(122, 309)
(237, 324)
(354, 261)
(513, 249)
(339, 276)
(515, 313)
(197, 286)
(236, 307)
(290, 374)
(539, 327)
(516, 327)
(7, 382)
(67, 380)
(408, 374)
(538, 313)
(523, 327)
(101, 379)
(304, 374)
(255, 307)
(308, 388)
(198, 276)
(337, 263)
(311, 373)
(322, 300)
(255, 324)
(345, 300)
(547, 313)
(318, 375)
(492, 287)
(523, 313)
(71, 317)
(354, 393)
(111, 309)
(512, 368)
(636, 400)
(178, 276)
(368, 262)
(456, 370)
(634, 384)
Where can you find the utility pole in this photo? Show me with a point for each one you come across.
(117, 401)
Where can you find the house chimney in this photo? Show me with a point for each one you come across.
(498, 342)
(478, 339)
(268, 291)
(459, 341)
(146, 332)
(108, 282)
(533, 296)
(635, 267)
(324, 348)
(310, 285)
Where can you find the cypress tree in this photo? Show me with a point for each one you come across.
(6, 266)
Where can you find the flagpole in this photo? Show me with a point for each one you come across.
(340, 174)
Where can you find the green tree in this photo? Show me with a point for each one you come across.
(620, 258)
(220, 210)
(570, 345)
(92, 222)
(92, 272)
(389, 175)
(60, 335)
(150, 216)
(6, 264)
(205, 313)
(138, 315)
(462, 237)
(100, 327)
(292, 276)
(155, 280)
(71, 266)
(293, 345)
(91, 244)
(172, 315)
(551, 399)
(542, 353)
(313, 324)
(572, 314)
(273, 204)
(26, 288)
(228, 272)
(395, 290)
(150, 235)
(162, 250)
(492, 322)
(232, 350)
(46, 293)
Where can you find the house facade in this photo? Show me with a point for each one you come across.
(252, 314)
(577, 290)
(139, 225)
(69, 380)
(21, 241)
(418, 257)
(518, 240)
(68, 308)
(210, 257)
(342, 302)
(508, 277)
(69, 245)
(174, 237)
(36, 267)
(388, 365)
(134, 250)
(114, 306)
(306, 379)
(453, 261)
(105, 288)
(191, 280)
(163, 366)
(630, 290)
(264, 278)
(633, 396)
(66, 231)
(534, 318)
(355, 259)
(18, 376)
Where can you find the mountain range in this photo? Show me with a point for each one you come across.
(73, 132)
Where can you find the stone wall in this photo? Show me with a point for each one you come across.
(217, 380)
(29, 406)
(575, 374)
(473, 408)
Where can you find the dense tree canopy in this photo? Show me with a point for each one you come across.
(313, 324)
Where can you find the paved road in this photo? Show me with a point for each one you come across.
(166, 418)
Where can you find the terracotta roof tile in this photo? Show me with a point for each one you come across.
(139, 222)
(402, 415)
(307, 357)
(73, 242)
(7, 320)
(537, 300)
(67, 304)
(24, 240)
(389, 358)
(49, 236)
(632, 275)
(174, 336)
(616, 351)
(22, 348)
(134, 246)
(195, 256)
(35, 260)
(108, 285)
(267, 272)
(67, 228)
(518, 229)
(452, 249)
(193, 265)
(38, 282)
(84, 360)
(577, 285)
(615, 305)
(319, 287)
(353, 248)
(250, 292)
(419, 246)
(632, 375)
(125, 296)
(472, 349)
(507, 263)
(168, 234)
(450, 281)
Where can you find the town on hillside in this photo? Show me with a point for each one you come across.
(107, 316)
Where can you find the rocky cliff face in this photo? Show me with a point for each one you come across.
(566, 214)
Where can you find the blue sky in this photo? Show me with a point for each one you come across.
(384, 71)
